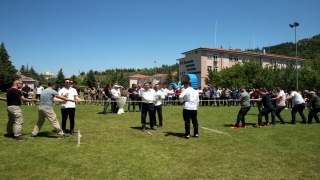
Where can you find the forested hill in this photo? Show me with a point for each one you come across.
(308, 48)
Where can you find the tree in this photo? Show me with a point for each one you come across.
(8, 73)
(60, 79)
(169, 78)
(90, 79)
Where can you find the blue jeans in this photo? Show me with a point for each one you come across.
(106, 104)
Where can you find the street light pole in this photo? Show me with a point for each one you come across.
(295, 24)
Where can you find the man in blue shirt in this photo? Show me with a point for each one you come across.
(267, 107)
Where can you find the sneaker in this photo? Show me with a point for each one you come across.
(143, 129)
(257, 126)
(234, 127)
(19, 138)
(196, 135)
(62, 136)
(153, 128)
(267, 124)
(159, 126)
(272, 124)
(187, 137)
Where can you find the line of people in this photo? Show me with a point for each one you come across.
(67, 96)
(296, 97)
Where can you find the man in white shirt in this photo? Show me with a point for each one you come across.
(280, 105)
(148, 99)
(299, 105)
(115, 92)
(189, 98)
(68, 108)
(158, 106)
(39, 90)
(165, 92)
(217, 95)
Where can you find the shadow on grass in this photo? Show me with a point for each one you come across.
(47, 134)
(247, 124)
(174, 134)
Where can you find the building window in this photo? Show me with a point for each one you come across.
(209, 68)
(215, 68)
(236, 58)
(230, 57)
(209, 56)
(215, 57)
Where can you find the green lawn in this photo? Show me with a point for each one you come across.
(113, 147)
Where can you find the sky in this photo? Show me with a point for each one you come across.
(80, 35)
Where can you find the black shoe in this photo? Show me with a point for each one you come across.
(72, 132)
(186, 136)
(143, 129)
(62, 136)
(33, 136)
(19, 138)
(153, 128)
(64, 131)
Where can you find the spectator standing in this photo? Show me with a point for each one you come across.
(158, 106)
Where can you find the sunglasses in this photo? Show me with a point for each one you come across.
(67, 82)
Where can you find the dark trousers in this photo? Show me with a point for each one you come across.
(147, 108)
(217, 101)
(158, 110)
(241, 114)
(226, 101)
(276, 112)
(264, 112)
(205, 101)
(114, 107)
(313, 114)
(298, 108)
(65, 113)
(187, 115)
(133, 103)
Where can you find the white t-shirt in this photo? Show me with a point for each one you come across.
(115, 92)
(72, 92)
(190, 97)
(39, 89)
(282, 100)
(297, 98)
(159, 97)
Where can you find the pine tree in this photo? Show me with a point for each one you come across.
(8, 73)
(60, 78)
(90, 79)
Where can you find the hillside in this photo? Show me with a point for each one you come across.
(308, 48)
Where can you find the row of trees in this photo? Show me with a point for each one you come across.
(252, 74)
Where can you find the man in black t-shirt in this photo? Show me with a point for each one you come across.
(131, 94)
(106, 97)
(267, 107)
(14, 98)
(25, 91)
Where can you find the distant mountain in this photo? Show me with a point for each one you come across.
(307, 48)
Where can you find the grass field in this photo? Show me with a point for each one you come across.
(113, 147)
